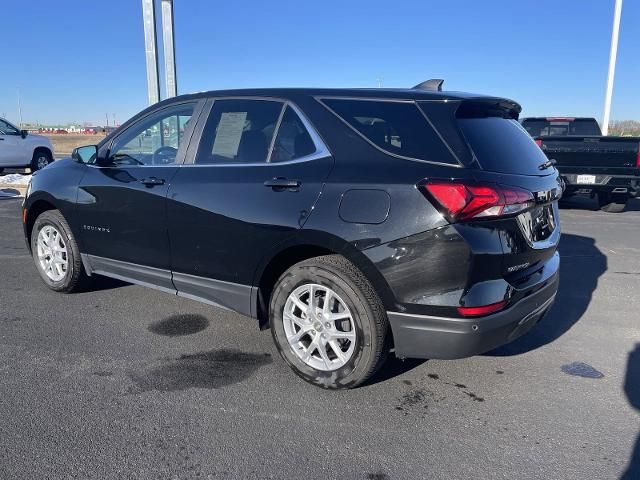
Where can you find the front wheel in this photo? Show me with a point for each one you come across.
(328, 323)
(612, 202)
(41, 158)
(56, 253)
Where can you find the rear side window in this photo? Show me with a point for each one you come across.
(398, 128)
(293, 140)
(239, 131)
(502, 145)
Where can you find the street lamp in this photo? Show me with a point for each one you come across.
(612, 66)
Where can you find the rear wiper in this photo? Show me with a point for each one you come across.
(549, 163)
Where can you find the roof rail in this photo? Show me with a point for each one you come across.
(434, 84)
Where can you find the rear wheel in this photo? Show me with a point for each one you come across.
(328, 323)
(612, 202)
(56, 253)
(41, 158)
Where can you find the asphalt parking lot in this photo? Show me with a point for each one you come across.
(128, 382)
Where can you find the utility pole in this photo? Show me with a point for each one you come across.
(617, 12)
(151, 50)
(106, 115)
(19, 110)
(169, 47)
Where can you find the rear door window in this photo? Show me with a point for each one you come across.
(239, 132)
(503, 145)
(396, 127)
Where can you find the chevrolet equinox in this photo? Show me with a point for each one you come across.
(351, 222)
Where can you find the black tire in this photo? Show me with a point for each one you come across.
(369, 318)
(41, 158)
(612, 202)
(75, 278)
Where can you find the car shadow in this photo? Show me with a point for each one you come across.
(632, 391)
(392, 368)
(581, 265)
(99, 283)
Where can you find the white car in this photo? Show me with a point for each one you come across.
(19, 149)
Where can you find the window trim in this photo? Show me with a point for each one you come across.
(322, 151)
(320, 99)
(198, 105)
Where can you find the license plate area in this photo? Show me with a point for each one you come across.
(586, 179)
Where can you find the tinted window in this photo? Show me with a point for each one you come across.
(399, 128)
(239, 131)
(542, 128)
(154, 140)
(502, 145)
(8, 129)
(293, 140)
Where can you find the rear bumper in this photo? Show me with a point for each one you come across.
(425, 336)
(603, 183)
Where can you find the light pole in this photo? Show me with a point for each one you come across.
(151, 50)
(169, 48)
(612, 66)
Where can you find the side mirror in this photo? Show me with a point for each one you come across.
(86, 154)
(24, 133)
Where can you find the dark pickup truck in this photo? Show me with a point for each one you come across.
(605, 167)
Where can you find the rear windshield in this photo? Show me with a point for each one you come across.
(579, 128)
(398, 128)
(502, 145)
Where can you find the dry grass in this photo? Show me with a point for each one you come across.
(63, 144)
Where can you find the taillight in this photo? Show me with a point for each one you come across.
(482, 310)
(538, 142)
(461, 200)
(638, 157)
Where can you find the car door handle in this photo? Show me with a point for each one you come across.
(1, 139)
(281, 183)
(151, 181)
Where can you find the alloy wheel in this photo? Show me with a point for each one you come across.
(52, 253)
(319, 327)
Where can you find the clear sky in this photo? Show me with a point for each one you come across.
(75, 60)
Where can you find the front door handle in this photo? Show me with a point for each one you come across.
(281, 183)
(152, 181)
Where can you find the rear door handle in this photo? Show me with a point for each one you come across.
(151, 181)
(281, 183)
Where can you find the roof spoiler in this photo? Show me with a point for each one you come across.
(434, 84)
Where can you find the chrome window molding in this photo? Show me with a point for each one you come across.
(380, 149)
(198, 106)
(322, 151)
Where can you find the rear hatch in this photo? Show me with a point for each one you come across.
(502, 154)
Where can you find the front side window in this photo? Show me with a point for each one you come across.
(154, 140)
(7, 129)
(239, 132)
(398, 128)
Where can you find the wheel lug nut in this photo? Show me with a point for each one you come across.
(328, 325)
(324, 335)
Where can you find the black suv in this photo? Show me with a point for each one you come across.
(351, 222)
